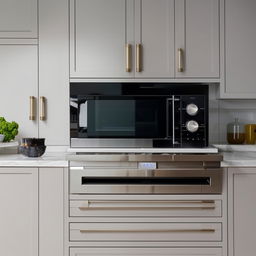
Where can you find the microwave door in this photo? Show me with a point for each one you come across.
(126, 117)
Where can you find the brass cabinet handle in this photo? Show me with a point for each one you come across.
(208, 230)
(180, 60)
(42, 108)
(138, 57)
(32, 105)
(180, 205)
(128, 53)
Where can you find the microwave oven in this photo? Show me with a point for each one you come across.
(138, 115)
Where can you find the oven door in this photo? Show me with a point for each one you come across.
(136, 181)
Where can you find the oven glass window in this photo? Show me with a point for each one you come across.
(123, 118)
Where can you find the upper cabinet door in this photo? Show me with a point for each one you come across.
(18, 19)
(197, 38)
(240, 54)
(99, 34)
(154, 38)
(19, 81)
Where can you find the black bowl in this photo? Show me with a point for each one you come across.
(32, 142)
(32, 151)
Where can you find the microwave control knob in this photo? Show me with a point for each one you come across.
(192, 126)
(192, 109)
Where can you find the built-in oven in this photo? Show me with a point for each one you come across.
(146, 174)
(138, 115)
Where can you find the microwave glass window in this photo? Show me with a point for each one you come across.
(110, 117)
(127, 118)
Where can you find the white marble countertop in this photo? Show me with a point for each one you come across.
(59, 159)
(239, 159)
(47, 160)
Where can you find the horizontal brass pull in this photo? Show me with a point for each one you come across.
(208, 230)
(205, 205)
(141, 208)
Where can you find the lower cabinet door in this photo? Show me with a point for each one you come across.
(145, 232)
(18, 211)
(146, 251)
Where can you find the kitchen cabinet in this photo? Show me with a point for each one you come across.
(197, 37)
(238, 22)
(144, 39)
(154, 33)
(19, 81)
(18, 19)
(51, 213)
(54, 71)
(100, 30)
(241, 211)
(31, 216)
(148, 232)
(19, 211)
(42, 72)
(145, 251)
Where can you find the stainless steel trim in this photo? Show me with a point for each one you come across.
(108, 143)
(203, 159)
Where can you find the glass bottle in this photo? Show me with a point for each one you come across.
(235, 133)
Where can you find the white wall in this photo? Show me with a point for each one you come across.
(222, 112)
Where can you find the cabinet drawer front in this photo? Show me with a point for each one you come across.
(146, 251)
(145, 232)
(145, 208)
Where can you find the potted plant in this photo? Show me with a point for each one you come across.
(8, 130)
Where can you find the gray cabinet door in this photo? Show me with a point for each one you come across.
(154, 31)
(18, 18)
(51, 212)
(54, 71)
(242, 211)
(240, 54)
(197, 35)
(19, 211)
(99, 33)
(19, 81)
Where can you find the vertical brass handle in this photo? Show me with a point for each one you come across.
(128, 53)
(32, 115)
(180, 60)
(42, 108)
(138, 57)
